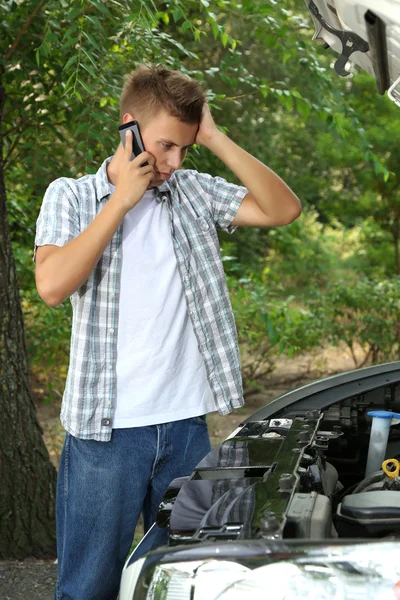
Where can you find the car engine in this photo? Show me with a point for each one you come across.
(289, 478)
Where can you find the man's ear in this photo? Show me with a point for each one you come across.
(127, 117)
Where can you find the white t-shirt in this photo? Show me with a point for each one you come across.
(161, 375)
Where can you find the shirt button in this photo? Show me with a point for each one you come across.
(113, 295)
(110, 366)
(106, 422)
(203, 224)
(111, 330)
(115, 253)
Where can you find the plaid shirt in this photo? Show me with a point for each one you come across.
(197, 203)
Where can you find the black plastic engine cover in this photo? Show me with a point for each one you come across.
(369, 513)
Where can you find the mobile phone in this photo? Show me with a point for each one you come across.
(137, 142)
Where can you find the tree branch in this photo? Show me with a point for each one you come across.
(23, 30)
(241, 96)
(12, 148)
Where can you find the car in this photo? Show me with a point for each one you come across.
(302, 499)
(365, 32)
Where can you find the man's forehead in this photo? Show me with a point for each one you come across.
(172, 131)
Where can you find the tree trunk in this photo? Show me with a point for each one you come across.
(27, 478)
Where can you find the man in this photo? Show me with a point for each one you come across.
(153, 345)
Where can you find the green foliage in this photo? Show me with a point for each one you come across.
(273, 89)
(364, 313)
(373, 253)
(296, 251)
(268, 326)
(47, 330)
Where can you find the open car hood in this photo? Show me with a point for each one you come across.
(366, 32)
(287, 492)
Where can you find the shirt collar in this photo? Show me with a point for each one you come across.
(103, 185)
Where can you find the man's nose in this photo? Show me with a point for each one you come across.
(175, 159)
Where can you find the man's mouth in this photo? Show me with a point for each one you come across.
(165, 176)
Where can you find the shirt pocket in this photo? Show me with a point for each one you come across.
(205, 259)
(204, 237)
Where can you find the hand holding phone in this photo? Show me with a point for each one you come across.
(134, 175)
(137, 142)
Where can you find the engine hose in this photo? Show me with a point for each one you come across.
(373, 478)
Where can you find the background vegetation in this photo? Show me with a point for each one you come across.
(331, 277)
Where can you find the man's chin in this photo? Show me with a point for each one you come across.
(155, 183)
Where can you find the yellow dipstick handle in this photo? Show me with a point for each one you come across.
(391, 468)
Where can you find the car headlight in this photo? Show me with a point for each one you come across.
(288, 581)
(191, 580)
(326, 578)
(194, 580)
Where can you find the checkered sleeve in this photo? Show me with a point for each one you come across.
(225, 199)
(58, 220)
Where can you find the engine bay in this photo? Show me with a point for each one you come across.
(302, 477)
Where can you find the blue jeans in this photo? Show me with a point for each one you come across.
(103, 487)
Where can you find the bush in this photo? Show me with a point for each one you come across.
(268, 326)
(307, 252)
(366, 313)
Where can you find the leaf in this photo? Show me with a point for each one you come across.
(92, 42)
(100, 6)
(185, 26)
(89, 57)
(89, 70)
(69, 43)
(74, 13)
(70, 30)
(282, 347)
(177, 15)
(272, 332)
(95, 21)
(304, 108)
(215, 29)
(85, 86)
(70, 62)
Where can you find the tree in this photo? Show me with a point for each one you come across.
(27, 519)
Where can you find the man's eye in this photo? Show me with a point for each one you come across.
(167, 146)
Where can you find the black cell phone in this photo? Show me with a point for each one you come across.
(137, 142)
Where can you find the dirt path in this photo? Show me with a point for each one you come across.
(34, 580)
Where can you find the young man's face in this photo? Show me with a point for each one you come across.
(168, 140)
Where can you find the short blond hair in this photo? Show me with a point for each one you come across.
(151, 88)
